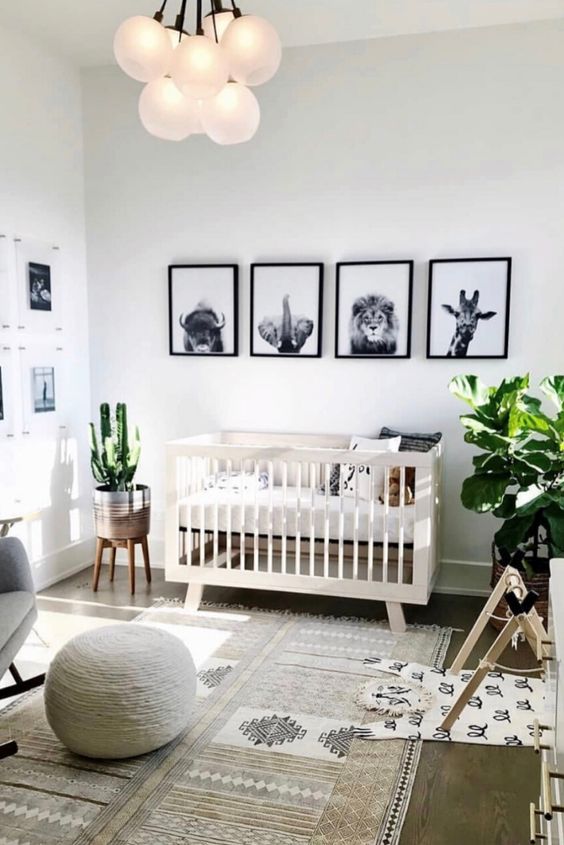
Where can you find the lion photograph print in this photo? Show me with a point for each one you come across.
(203, 309)
(373, 310)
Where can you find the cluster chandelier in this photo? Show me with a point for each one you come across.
(199, 83)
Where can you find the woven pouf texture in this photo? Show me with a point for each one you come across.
(119, 691)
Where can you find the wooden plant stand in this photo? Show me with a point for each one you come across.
(528, 622)
(114, 545)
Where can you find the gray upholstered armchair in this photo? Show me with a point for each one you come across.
(18, 613)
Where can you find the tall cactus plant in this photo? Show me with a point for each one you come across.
(114, 460)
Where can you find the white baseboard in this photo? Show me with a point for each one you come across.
(63, 563)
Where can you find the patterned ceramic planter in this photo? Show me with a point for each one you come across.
(122, 515)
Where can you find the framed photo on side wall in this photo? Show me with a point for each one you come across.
(203, 309)
(286, 310)
(373, 309)
(468, 308)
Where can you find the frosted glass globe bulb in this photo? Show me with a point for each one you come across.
(232, 116)
(199, 67)
(165, 112)
(142, 48)
(253, 49)
(222, 21)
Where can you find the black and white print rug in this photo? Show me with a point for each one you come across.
(502, 712)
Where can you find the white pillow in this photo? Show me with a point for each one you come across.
(360, 476)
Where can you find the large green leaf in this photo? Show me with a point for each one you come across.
(470, 389)
(555, 518)
(523, 420)
(507, 508)
(482, 493)
(473, 423)
(514, 531)
(490, 463)
(487, 441)
(540, 462)
(553, 387)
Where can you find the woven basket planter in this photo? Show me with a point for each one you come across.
(538, 583)
(122, 515)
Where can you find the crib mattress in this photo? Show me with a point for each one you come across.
(209, 509)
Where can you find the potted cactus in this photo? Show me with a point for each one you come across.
(122, 509)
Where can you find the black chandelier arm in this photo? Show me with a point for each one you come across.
(199, 29)
(236, 10)
(158, 16)
(179, 23)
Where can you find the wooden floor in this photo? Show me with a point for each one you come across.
(463, 795)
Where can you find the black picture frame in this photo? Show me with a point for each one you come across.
(173, 350)
(1, 397)
(409, 263)
(507, 303)
(46, 403)
(255, 269)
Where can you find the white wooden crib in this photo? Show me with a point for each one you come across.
(255, 510)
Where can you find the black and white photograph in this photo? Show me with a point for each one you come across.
(373, 309)
(286, 309)
(468, 308)
(203, 309)
(39, 278)
(1, 397)
(43, 389)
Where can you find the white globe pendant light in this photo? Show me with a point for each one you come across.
(142, 48)
(253, 49)
(233, 116)
(215, 24)
(199, 67)
(166, 113)
(199, 84)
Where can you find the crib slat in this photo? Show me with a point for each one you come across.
(188, 513)
(341, 527)
(298, 516)
(284, 515)
(312, 520)
(270, 467)
(256, 519)
(242, 514)
(370, 573)
(385, 532)
(401, 529)
(229, 471)
(215, 511)
(355, 532)
(326, 526)
(203, 475)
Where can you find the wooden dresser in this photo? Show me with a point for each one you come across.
(547, 815)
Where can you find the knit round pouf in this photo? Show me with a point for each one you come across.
(120, 691)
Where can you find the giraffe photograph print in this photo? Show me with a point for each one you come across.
(468, 308)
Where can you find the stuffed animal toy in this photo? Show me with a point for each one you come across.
(409, 497)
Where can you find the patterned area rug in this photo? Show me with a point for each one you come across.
(268, 759)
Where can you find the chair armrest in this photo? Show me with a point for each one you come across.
(15, 571)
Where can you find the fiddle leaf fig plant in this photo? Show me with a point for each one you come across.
(519, 473)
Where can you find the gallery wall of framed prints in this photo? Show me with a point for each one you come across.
(468, 309)
(33, 371)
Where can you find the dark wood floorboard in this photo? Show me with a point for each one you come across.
(463, 794)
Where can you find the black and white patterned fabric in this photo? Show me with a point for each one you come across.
(502, 711)
(412, 441)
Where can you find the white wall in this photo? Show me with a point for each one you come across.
(42, 197)
(411, 147)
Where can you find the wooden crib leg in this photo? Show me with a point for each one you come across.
(396, 617)
(193, 597)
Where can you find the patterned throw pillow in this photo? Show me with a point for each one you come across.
(412, 442)
(361, 476)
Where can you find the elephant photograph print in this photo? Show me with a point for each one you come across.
(286, 310)
(468, 308)
(203, 309)
(373, 309)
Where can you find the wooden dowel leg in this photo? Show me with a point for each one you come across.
(146, 559)
(97, 563)
(131, 556)
(113, 562)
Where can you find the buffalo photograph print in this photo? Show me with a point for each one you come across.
(286, 307)
(373, 309)
(203, 309)
(468, 310)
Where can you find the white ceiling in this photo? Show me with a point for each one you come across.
(83, 29)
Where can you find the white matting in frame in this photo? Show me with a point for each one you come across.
(203, 309)
(43, 373)
(40, 286)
